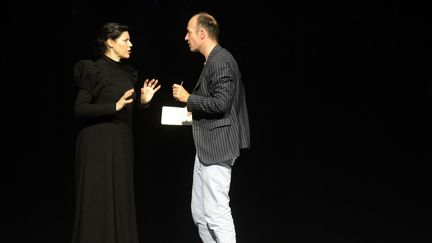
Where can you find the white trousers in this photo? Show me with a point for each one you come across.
(210, 202)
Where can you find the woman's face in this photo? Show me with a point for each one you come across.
(122, 46)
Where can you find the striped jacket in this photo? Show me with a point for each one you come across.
(220, 124)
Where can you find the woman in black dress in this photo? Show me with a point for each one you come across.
(105, 202)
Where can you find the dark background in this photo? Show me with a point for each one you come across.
(339, 104)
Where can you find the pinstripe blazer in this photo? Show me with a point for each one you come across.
(220, 124)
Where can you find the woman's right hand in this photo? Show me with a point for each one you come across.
(125, 99)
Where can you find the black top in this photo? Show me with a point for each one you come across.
(105, 203)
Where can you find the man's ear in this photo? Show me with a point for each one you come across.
(202, 34)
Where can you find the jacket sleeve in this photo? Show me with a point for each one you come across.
(220, 88)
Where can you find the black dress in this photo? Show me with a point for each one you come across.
(105, 202)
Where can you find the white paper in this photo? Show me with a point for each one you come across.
(172, 115)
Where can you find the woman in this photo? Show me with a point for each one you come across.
(105, 202)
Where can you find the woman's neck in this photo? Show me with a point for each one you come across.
(112, 56)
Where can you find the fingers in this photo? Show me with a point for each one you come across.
(127, 96)
(157, 88)
(176, 87)
(153, 82)
(175, 94)
(128, 93)
(150, 83)
(125, 99)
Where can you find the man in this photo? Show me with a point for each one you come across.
(220, 128)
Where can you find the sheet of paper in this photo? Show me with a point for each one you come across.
(172, 115)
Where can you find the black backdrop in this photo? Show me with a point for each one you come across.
(339, 103)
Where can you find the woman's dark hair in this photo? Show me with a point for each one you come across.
(110, 30)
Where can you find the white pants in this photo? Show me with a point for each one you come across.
(210, 202)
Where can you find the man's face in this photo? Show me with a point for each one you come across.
(193, 35)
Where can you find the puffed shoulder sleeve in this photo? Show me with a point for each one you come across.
(86, 75)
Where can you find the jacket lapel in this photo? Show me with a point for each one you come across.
(207, 63)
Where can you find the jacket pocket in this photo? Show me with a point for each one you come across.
(217, 123)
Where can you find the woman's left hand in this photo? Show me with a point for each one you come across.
(148, 90)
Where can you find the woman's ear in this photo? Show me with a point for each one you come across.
(110, 42)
